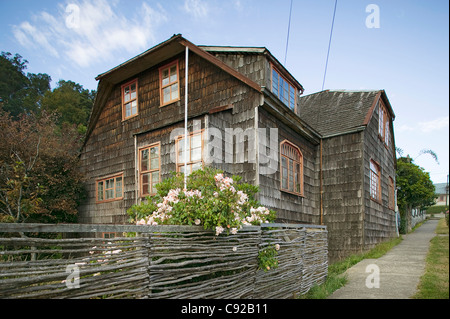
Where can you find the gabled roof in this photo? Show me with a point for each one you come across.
(146, 60)
(334, 112)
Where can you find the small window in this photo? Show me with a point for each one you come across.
(291, 168)
(109, 189)
(169, 83)
(194, 152)
(375, 181)
(149, 165)
(383, 124)
(129, 99)
(391, 203)
(284, 90)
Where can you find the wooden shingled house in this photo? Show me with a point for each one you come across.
(246, 117)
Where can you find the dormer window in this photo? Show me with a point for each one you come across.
(283, 89)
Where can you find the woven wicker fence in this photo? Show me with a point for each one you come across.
(159, 262)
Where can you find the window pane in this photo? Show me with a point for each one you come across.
(144, 160)
(165, 77)
(166, 95)
(154, 163)
(145, 184)
(109, 194)
(100, 191)
(173, 74)
(133, 95)
(174, 95)
(154, 152)
(133, 88)
(134, 107)
(126, 98)
(154, 190)
(297, 178)
(196, 154)
(291, 175)
(155, 177)
(275, 82)
(118, 187)
(196, 141)
(128, 110)
(284, 173)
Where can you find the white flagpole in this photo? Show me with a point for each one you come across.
(186, 115)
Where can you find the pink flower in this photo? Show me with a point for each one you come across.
(219, 230)
(197, 221)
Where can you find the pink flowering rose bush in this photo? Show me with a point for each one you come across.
(213, 200)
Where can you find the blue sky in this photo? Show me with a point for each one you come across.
(407, 55)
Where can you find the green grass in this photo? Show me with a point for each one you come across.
(336, 277)
(434, 284)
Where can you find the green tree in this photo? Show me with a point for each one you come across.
(414, 189)
(20, 93)
(71, 102)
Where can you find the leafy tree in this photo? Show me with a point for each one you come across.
(23, 94)
(71, 101)
(20, 93)
(39, 176)
(414, 186)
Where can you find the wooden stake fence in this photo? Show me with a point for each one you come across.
(159, 262)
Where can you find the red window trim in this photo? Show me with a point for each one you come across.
(161, 87)
(300, 174)
(103, 179)
(123, 99)
(141, 193)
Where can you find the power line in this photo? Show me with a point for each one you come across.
(329, 45)
(287, 39)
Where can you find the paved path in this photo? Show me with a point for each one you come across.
(399, 270)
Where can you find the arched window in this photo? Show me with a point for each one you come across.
(291, 168)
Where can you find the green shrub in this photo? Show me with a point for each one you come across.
(210, 199)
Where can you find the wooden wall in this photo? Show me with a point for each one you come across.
(110, 148)
(379, 220)
(343, 193)
(290, 207)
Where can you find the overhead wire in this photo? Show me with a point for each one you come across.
(329, 45)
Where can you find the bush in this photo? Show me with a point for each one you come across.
(212, 200)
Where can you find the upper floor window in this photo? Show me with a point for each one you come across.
(169, 83)
(110, 188)
(194, 152)
(129, 99)
(375, 181)
(149, 166)
(284, 90)
(391, 194)
(291, 168)
(383, 123)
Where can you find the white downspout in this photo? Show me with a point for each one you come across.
(186, 69)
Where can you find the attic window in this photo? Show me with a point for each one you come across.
(283, 89)
(169, 83)
(291, 168)
(383, 124)
(129, 99)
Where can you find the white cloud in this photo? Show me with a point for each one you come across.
(196, 8)
(434, 125)
(88, 31)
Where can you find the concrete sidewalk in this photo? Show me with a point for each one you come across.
(399, 270)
